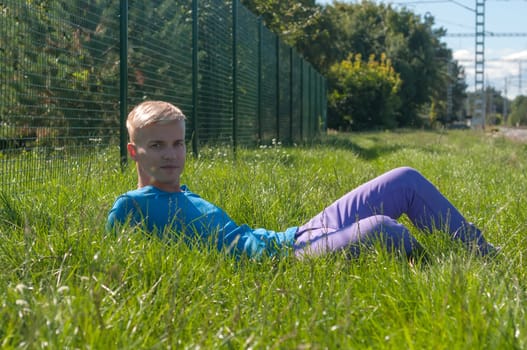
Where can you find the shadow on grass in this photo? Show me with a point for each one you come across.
(347, 144)
(380, 146)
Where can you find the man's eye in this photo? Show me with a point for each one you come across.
(155, 145)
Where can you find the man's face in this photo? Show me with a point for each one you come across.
(159, 151)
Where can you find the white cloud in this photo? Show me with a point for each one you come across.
(503, 69)
(522, 55)
(463, 55)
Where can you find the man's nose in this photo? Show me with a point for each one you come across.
(170, 153)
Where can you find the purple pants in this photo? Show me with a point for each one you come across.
(368, 214)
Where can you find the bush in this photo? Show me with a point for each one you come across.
(364, 94)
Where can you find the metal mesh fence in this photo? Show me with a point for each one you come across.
(72, 69)
(247, 75)
(269, 91)
(59, 87)
(215, 69)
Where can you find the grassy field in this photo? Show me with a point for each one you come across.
(64, 284)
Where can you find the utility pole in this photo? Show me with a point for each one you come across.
(449, 93)
(520, 77)
(505, 103)
(479, 103)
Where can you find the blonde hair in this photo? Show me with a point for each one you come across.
(150, 112)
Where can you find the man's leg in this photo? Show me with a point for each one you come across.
(400, 191)
(363, 233)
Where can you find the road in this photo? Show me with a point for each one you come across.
(515, 134)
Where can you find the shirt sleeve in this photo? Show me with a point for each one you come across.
(258, 242)
(119, 213)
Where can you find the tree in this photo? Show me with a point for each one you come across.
(290, 19)
(518, 114)
(494, 105)
(419, 57)
(410, 42)
(453, 94)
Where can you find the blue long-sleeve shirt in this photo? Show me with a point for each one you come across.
(187, 213)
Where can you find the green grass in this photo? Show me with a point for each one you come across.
(65, 284)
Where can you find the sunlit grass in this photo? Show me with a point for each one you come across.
(65, 284)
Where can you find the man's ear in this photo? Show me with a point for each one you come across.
(132, 151)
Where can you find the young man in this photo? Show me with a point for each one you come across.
(162, 206)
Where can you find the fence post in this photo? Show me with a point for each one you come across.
(325, 104)
(234, 75)
(277, 87)
(315, 105)
(123, 79)
(310, 101)
(319, 105)
(301, 98)
(313, 102)
(291, 100)
(260, 72)
(195, 37)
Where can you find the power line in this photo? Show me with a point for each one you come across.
(419, 2)
(503, 60)
(487, 34)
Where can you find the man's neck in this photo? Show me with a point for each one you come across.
(142, 178)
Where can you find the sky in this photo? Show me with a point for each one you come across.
(505, 56)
